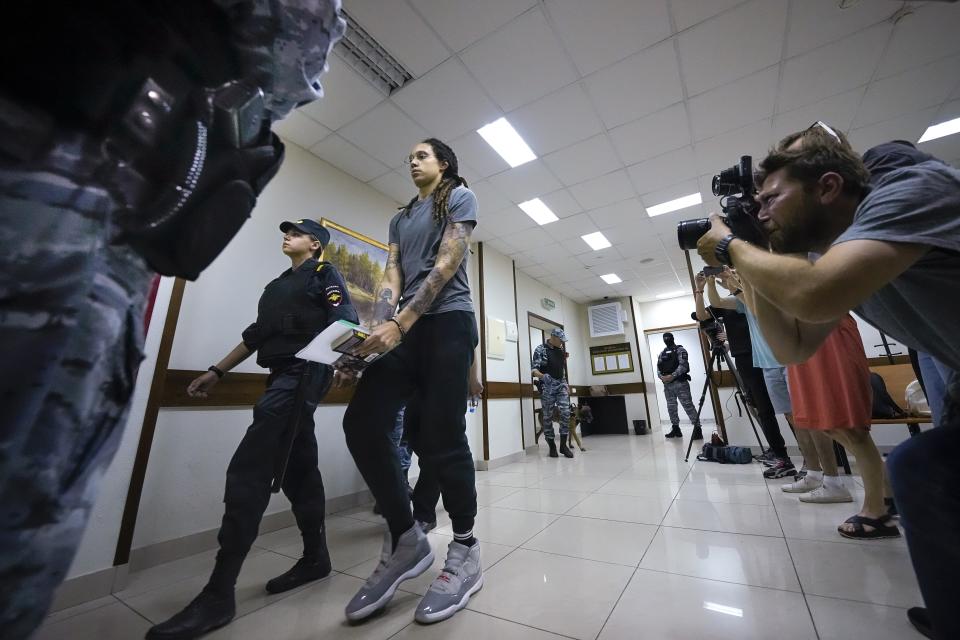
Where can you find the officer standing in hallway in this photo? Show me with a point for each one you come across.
(549, 360)
(673, 369)
(294, 308)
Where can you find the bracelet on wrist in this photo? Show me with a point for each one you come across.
(738, 292)
(403, 334)
(216, 370)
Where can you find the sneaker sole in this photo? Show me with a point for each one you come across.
(786, 490)
(381, 602)
(776, 476)
(429, 618)
(826, 500)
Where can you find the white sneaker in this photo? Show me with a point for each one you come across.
(461, 577)
(827, 494)
(803, 485)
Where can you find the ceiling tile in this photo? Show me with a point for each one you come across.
(531, 238)
(652, 135)
(584, 160)
(395, 185)
(724, 150)
(604, 190)
(460, 23)
(599, 258)
(622, 92)
(666, 169)
(732, 45)
(348, 158)
(401, 32)
(600, 32)
(735, 104)
(346, 95)
(447, 101)
(837, 111)
(687, 13)
(527, 181)
(561, 118)
(386, 133)
(831, 69)
(617, 214)
(907, 127)
(501, 246)
(481, 234)
(908, 91)
(489, 198)
(562, 203)
(575, 246)
(926, 35)
(572, 227)
(814, 23)
(300, 130)
(474, 151)
(537, 271)
(543, 252)
(508, 224)
(670, 193)
(521, 62)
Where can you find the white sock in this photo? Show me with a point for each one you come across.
(815, 475)
(832, 482)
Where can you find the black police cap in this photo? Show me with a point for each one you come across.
(310, 227)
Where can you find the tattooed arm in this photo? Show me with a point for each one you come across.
(453, 247)
(387, 294)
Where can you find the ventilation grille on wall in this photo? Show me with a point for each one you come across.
(605, 319)
(370, 59)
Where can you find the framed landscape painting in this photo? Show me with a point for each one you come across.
(360, 260)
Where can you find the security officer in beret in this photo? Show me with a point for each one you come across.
(549, 360)
(280, 444)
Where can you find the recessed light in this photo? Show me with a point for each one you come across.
(646, 261)
(596, 241)
(505, 140)
(674, 205)
(540, 212)
(672, 294)
(611, 278)
(947, 128)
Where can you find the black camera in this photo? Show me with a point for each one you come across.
(712, 328)
(736, 189)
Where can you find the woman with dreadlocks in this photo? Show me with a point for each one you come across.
(431, 341)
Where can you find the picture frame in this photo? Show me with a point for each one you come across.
(360, 260)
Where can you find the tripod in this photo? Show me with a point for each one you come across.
(719, 355)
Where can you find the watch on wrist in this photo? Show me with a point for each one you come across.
(722, 250)
(216, 370)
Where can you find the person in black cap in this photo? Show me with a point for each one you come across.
(281, 443)
(549, 367)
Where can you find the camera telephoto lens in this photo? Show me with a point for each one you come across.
(689, 231)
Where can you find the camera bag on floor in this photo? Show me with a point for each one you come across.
(725, 454)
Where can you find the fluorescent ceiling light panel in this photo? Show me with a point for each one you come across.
(947, 128)
(674, 205)
(611, 278)
(505, 140)
(596, 241)
(672, 294)
(540, 212)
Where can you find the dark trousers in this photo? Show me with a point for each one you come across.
(756, 391)
(426, 492)
(923, 472)
(427, 371)
(251, 470)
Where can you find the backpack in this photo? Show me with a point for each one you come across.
(725, 454)
(884, 407)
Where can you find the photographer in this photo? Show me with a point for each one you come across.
(746, 356)
(895, 259)
(672, 368)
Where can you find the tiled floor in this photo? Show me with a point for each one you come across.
(624, 541)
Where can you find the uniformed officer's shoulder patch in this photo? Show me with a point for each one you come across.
(334, 294)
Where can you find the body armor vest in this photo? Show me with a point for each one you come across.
(554, 366)
(668, 361)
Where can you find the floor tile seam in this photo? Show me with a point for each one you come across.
(550, 513)
(627, 495)
(640, 567)
(868, 602)
(745, 504)
(50, 623)
(137, 613)
(522, 624)
(860, 543)
(734, 533)
(649, 524)
(572, 557)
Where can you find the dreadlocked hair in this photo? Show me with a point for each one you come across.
(450, 181)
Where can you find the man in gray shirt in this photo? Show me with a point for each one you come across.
(891, 252)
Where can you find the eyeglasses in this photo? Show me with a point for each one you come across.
(823, 125)
(419, 155)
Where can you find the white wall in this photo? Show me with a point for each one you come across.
(183, 490)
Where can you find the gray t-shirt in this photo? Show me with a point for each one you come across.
(921, 306)
(419, 238)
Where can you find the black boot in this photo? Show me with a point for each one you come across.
(564, 449)
(697, 434)
(920, 620)
(207, 612)
(674, 432)
(304, 571)
(553, 447)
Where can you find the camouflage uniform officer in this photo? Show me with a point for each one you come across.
(673, 368)
(548, 363)
(281, 443)
(72, 296)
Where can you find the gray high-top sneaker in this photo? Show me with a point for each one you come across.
(461, 578)
(412, 557)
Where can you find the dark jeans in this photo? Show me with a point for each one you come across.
(428, 370)
(923, 473)
(251, 470)
(756, 391)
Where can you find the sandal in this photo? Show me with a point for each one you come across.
(881, 528)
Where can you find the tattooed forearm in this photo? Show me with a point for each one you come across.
(453, 247)
(387, 293)
(385, 305)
